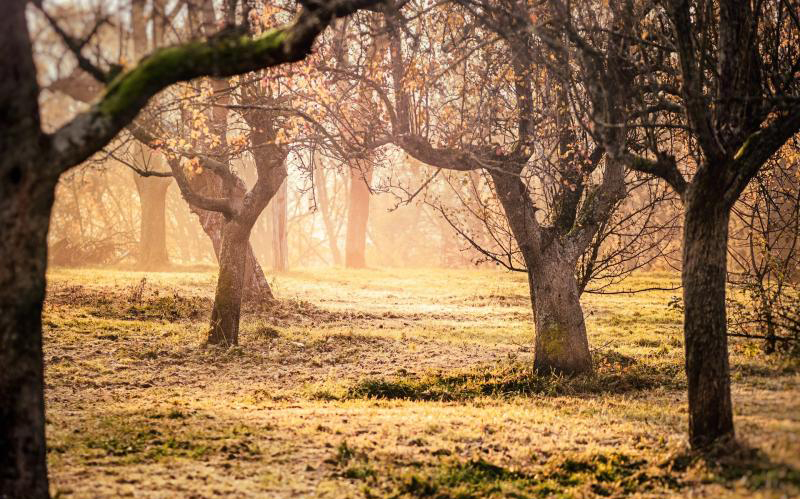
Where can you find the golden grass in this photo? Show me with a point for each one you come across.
(387, 383)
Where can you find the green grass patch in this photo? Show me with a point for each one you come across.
(602, 475)
(614, 373)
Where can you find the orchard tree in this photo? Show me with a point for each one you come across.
(501, 107)
(719, 84)
(31, 162)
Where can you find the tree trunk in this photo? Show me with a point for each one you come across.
(230, 285)
(325, 209)
(27, 192)
(705, 240)
(25, 206)
(256, 285)
(561, 342)
(358, 215)
(153, 235)
(280, 246)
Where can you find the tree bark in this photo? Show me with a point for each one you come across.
(27, 191)
(358, 216)
(152, 236)
(705, 240)
(230, 285)
(256, 286)
(24, 218)
(561, 343)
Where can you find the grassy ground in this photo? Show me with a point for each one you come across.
(388, 383)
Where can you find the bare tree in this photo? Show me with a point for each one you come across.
(31, 162)
(722, 75)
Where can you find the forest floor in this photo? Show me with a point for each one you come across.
(388, 383)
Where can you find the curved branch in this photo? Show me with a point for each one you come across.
(664, 168)
(228, 53)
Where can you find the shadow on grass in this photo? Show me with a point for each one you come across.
(611, 474)
(734, 463)
(614, 373)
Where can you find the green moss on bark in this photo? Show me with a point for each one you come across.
(227, 55)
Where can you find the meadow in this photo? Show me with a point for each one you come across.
(389, 383)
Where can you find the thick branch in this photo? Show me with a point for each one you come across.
(225, 54)
(220, 205)
(664, 168)
(759, 147)
(447, 158)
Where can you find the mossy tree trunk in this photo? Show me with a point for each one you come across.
(561, 343)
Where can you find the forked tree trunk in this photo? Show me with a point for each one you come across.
(561, 343)
(358, 216)
(256, 286)
(230, 285)
(705, 239)
(25, 206)
(153, 230)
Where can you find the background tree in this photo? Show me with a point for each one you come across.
(491, 116)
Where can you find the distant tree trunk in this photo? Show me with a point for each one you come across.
(230, 285)
(705, 240)
(153, 236)
(325, 207)
(358, 215)
(280, 244)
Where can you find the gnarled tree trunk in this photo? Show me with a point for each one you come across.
(561, 342)
(705, 240)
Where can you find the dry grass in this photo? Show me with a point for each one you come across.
(388, 383)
